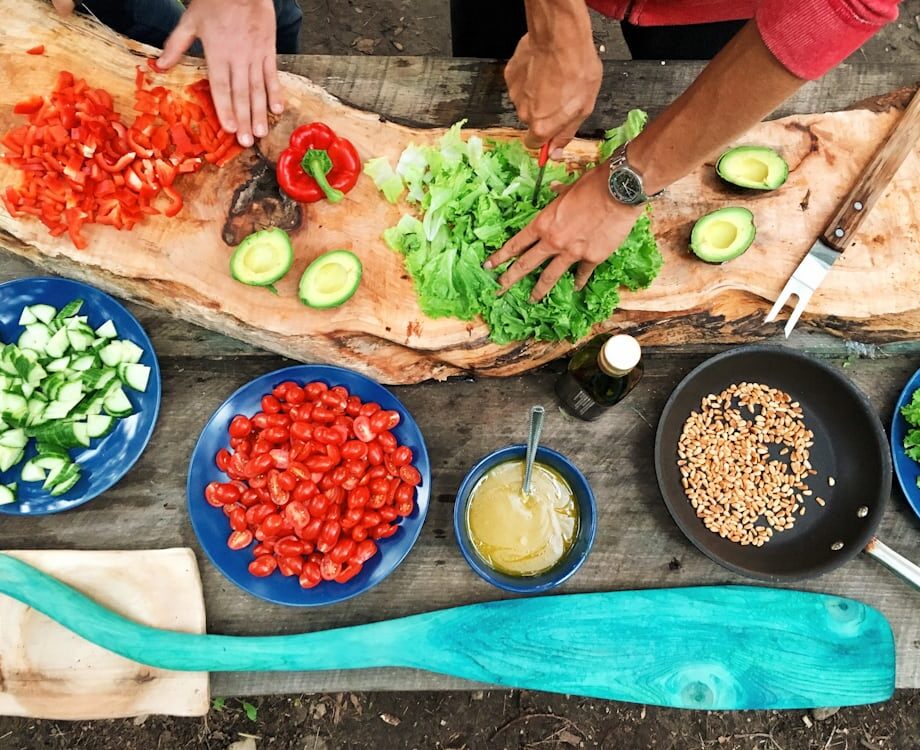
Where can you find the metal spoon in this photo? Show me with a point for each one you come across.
(533, 439)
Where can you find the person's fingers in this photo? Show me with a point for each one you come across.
(219, 76)
(551, 274)
(516, 245)
(240, 94)
(529, 261)
(178, 42)
(63, 7)
(273, 85)
(258, 100)
(562, 139)
(583, 274)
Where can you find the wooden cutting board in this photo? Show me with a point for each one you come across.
(46, 671)
(181, 265)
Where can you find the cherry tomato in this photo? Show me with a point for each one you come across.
(278, 420)
(322, 414)
(260, 421)
(222, 459)
(320, 463)
(228, 493)
(353, 406)
(302, 431)
(278, 494)
(239, 539)
(330, 532)
(374, 453)
(377, 501)
(391, 467)
(363, 430)
(379, 486)
(369, 409)
(382, 531)
(351, 518)
(371, 518)
(258, 464)
(271, 525)
(262, 548)
(310, 576)
(274, 435)
(257, 513)
(336, 495)
(364, 551)
(271, 405)
(249, 497)
(388, 514)
(289, 546)
(295, 395)
(380, 421)
(237, 466)
(334, 453)
(340, 434)
(289, 565)
(387, 441)
(263, 566)
(350, 570)
(238, 519)
(302, 412)
(343, 549)
(240, 426)
(339, 474)
(287, 481)
(410, 475)
(359, 533)
(318, 505)
(354, 449)
(404, 507)
(334, 513)
(311, 530)
(304, 490)
(259, 482)
(334, 401)
(329, 569)
(315, 389)
(260, 447)
(210, 494)
(358, 497)
(296, 512)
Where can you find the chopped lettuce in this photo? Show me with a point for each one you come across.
(911, 413)
(616, 137)
(469, 198)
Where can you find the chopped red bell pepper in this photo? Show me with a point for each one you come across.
(28, 106)
(318, 164)
(37, 50)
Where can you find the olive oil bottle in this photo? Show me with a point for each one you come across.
(599, 375)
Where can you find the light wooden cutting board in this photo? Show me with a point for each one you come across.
(49, 672)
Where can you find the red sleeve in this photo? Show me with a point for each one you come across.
(809, 37)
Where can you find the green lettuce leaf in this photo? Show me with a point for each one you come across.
(912, 444)
(387, 181)
(469, 198)
(911, 411)
(616, 137)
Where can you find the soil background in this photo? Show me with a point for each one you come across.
(484, 720)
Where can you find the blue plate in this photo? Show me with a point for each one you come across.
(211, 524)
(107, 460)
(906, 469)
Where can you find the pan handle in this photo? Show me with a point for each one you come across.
(895, 562)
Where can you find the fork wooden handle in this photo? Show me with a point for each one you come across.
(874, 179)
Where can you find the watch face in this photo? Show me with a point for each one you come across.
(626, 186)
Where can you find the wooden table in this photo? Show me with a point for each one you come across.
(638, 546)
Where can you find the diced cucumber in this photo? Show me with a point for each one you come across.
(27, 317)
(66, 480)
(36, 411)
(134, 376)
(12, 405)
(71, 392)
(81, 434)
(107, 330)
(58, 365)
(55, 466)
(7, 495)
(27, 390)
(83, 363)
(32, 472)
(116, 404)
(130, 352)
(112, 354)
(79, 339)
(35, 337)
(14, 439)
(58, 410)
(99, 425)
(44, 313)
(58, 344)
(9, 457)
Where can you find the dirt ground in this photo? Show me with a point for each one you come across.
(493, 719)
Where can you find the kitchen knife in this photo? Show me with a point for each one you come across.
(708, 647)
(843, 226)
(541, 162)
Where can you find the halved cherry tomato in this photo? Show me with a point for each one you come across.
(348, 572)
(289, 566)
(402, 456)
(343, 549)
(310, 576)
(387, 441)
(410, 475)
(364, 551)
(222, 459)
(263, 566)
(329, 569)
(369, 409)
(363, 430)
(239, 539)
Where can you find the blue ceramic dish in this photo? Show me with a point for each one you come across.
(106, 461)
(587, 522)
(905, 468)
(211, 524)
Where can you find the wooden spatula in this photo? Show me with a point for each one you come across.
(728, 647)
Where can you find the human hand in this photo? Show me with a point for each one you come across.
(63, 7)
(584, 225)
(238, 37)
(553, 84)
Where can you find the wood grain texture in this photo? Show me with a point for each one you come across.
(725, 648)
(180, 265)
(874, 179)
(46, 671)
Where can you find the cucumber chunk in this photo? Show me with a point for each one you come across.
(107, 330)
(134, 376)
(43, 313)
(7, 495)
(117, 404)
(99, 425)
(32, 472)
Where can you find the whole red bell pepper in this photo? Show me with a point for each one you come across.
(318, 164)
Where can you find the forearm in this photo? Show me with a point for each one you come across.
(552, 21)
(741, 86)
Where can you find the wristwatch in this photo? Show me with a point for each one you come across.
(625, 182)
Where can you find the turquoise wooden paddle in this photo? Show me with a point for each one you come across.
(716, 647)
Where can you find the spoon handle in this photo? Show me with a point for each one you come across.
(533, 439)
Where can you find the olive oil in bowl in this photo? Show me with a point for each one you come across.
(518, 534)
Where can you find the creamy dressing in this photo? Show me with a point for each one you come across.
(517, 534)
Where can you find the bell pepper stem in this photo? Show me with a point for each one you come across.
(317, 164)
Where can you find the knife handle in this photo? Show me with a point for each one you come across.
(874, 178)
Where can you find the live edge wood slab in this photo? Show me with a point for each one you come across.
(180, 265)
(637, 544)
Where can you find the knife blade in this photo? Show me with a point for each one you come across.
(541, 162)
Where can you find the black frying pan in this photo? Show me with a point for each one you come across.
(849, 445)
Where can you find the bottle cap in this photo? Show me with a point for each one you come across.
(619, 355)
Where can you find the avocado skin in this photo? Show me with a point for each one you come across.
(778, 169)
(743, 220)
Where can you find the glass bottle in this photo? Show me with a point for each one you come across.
(599, 375)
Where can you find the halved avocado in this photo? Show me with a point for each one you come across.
(755, 167)
(723, 235)
(262, 258)
(331, 279)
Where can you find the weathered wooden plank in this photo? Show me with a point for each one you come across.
(436, 91)
(637, 545)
